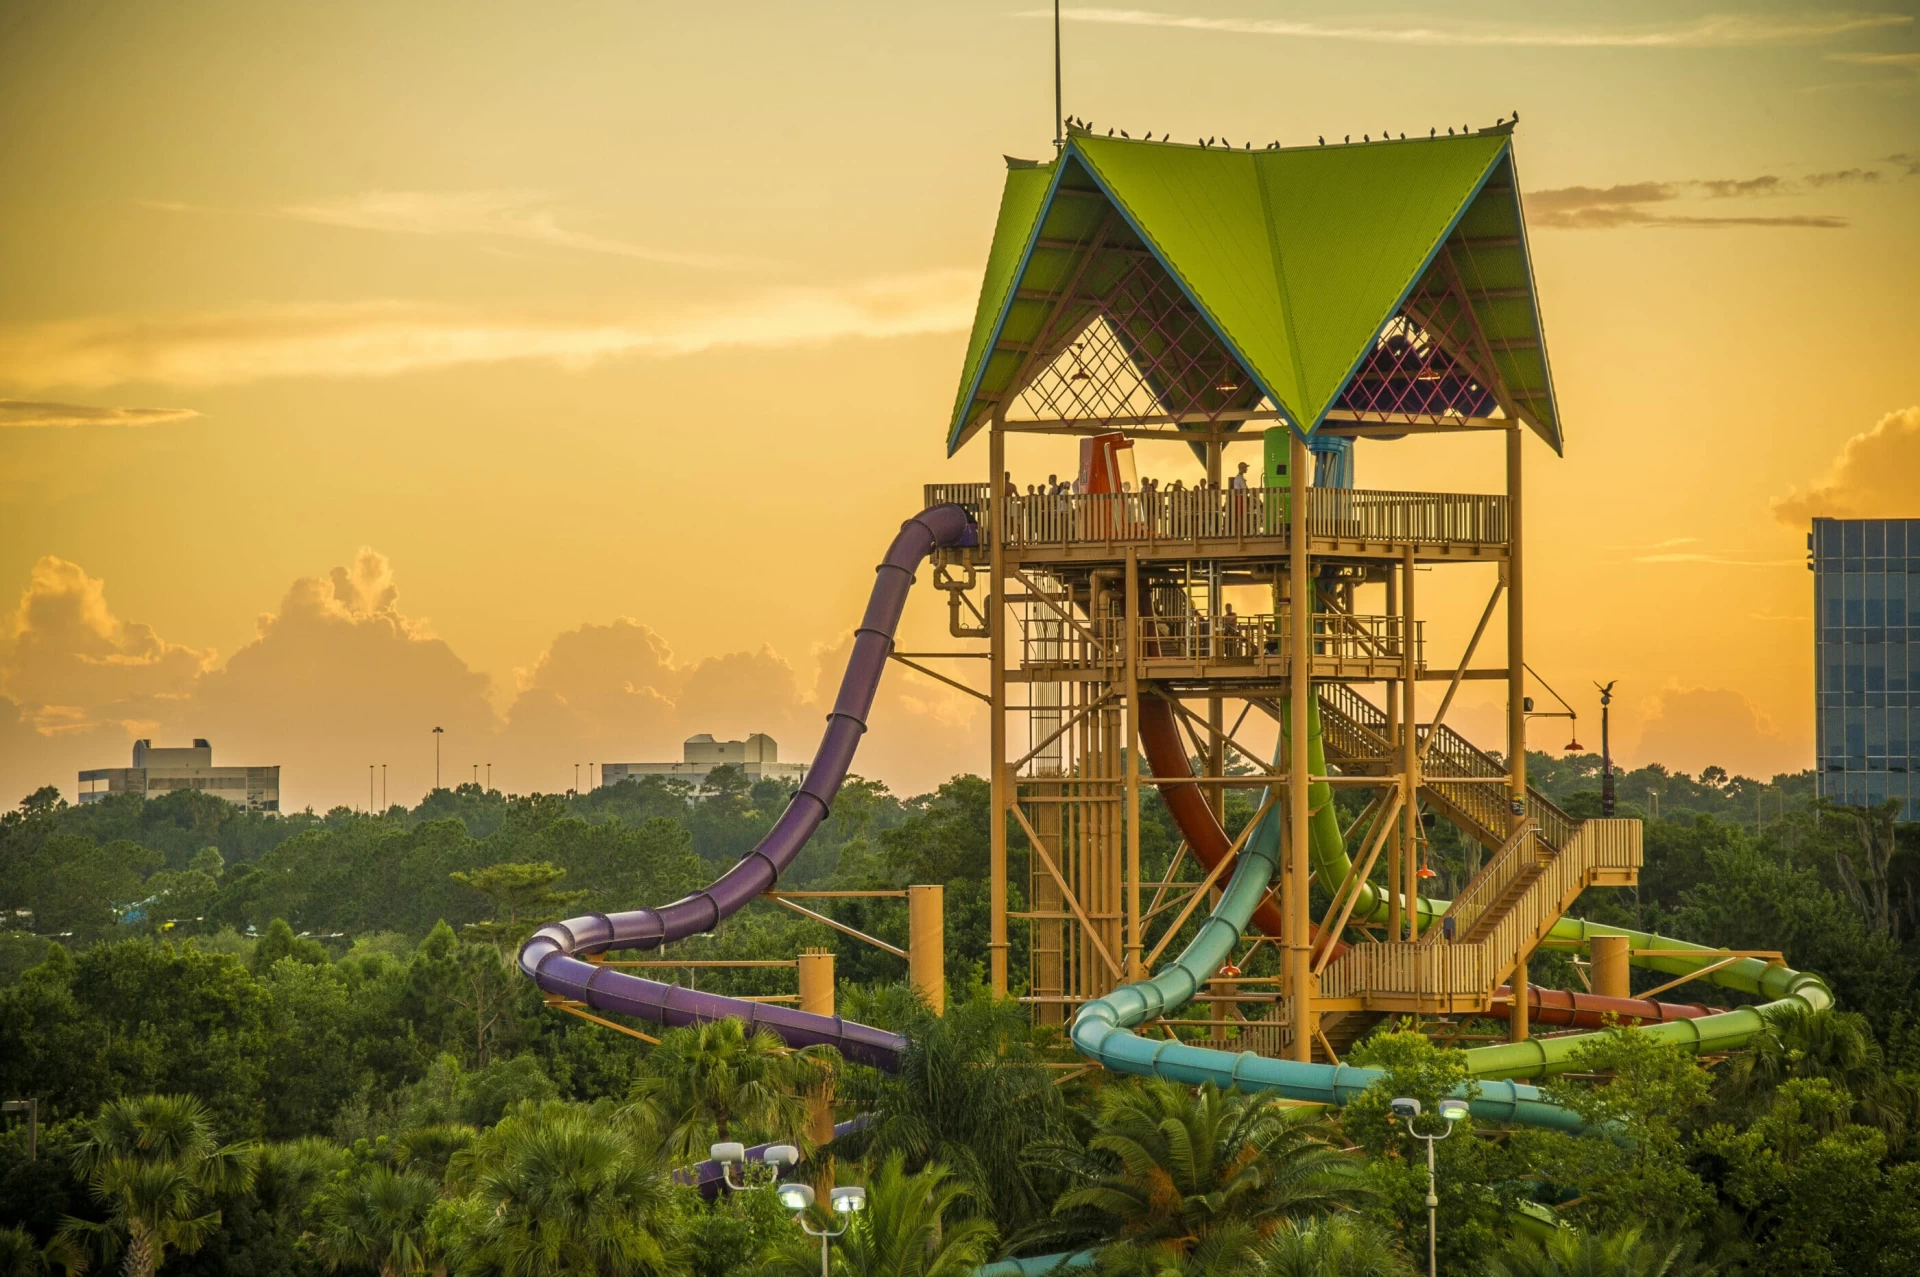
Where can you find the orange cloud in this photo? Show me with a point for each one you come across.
(1875, 476)
(71, 664)
(1692, 728)
(340, 676)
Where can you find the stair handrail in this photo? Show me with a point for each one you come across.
(1513, 858)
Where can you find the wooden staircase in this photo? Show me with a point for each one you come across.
(1354, 733)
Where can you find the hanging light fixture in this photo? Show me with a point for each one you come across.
(1425, 872)
(1574, 747)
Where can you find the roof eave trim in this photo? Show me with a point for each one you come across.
(1506, 149)
(960, 431)
(1286, 410)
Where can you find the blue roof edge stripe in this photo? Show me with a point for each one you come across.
(1006, 305)
(1559, 440)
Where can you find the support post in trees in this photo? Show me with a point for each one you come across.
(816, 998)
(927, 944)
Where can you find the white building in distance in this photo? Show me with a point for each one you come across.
(758, 756)
(161, 771)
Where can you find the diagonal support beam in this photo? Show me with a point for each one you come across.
(938, 677)
(1066, 892)
(1213, 876)
(1460, 672)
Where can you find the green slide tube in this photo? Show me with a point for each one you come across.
(1540, 1057)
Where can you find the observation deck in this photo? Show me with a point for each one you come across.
(1235, 523)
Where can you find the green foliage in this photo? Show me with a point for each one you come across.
(523, 897)
(910, 1228)
(1333, 1246)
(155, 1165)
(714, 1082)
(557, 1189)
(1569, 1253)
(971, 1094)
(378, 1218)
(1166, 1165)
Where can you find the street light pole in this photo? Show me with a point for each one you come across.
(437, 733)
(1408, 1110)
(1606, 751)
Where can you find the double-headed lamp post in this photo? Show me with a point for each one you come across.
(775, 1156)
(846, 1203)
(1451, 1111)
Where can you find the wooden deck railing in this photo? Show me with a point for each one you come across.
(1192, 515)
(1598, 849)
(1448, 970)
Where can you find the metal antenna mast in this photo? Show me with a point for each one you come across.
(1059, 138)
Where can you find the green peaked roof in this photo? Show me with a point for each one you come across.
(1297, 259)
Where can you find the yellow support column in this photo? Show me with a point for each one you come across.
(927, 944)
(816, 998)
(1610, 972)
(1131, 963)
(997, 778)
(1409, 756)
(1518, 1027)
(1300, 981)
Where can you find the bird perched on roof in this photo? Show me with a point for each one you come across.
(1127, 135)
(1323, 138)
(1431, 132)
(1346, 137)
(1449, 130)
(1403, 137)
(1366, 137)
(1516, 117)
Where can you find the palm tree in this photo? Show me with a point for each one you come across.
(156, 1165)
(1167, 1165)
(904, 1231)
(559, 1188)
(1575, 1254)
(1836, 1045)
(1231, 1250)
(1333, 1246)
(718, 1083)
(378, 1220)
(19, 1257)
(972, 1095)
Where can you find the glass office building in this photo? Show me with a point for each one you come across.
(1867, 618)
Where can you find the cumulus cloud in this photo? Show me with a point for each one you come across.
(1689, 729)
(340, 676)
(1875, 476)
(31, 415)
(386, 338)
(1631, 204)
(485, 215)
(71, 665)
(1717, 30)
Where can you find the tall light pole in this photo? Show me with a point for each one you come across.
(1606, 751)
(1451, 1111)
(383, 786)
(489, 778)
(369, 789)
(576, 778)
(438, 732)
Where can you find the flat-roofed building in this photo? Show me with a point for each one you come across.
(758, 756)
(157, 771)
(1867, 659)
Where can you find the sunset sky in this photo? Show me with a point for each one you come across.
(556, 374)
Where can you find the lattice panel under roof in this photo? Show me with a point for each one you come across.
(1428, 363)
(1130, 348)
